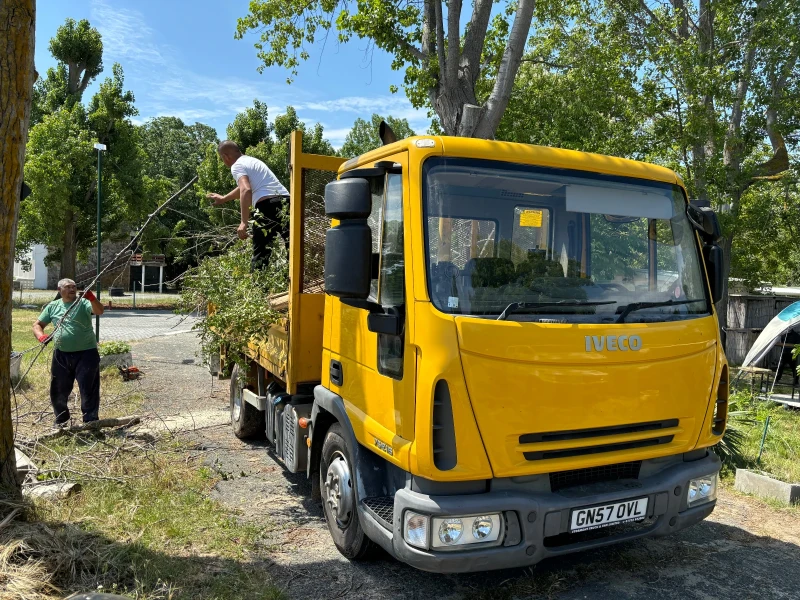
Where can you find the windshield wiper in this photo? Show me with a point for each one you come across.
(517, 306)
(629, 308)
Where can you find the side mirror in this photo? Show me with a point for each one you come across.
(348, 260)
(706, 221)
(348, 199)
(714, 258)
(348, 246)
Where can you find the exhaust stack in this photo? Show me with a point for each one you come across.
(386, 134)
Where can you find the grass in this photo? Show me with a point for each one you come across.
(781, 454)
(22, 328)
(155, 535)
(143, 523)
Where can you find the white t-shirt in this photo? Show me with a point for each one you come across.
(262, 181)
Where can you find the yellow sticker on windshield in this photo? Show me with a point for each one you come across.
(530, 218)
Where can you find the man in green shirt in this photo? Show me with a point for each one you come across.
(75, 356)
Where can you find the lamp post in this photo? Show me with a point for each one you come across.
(100, 148)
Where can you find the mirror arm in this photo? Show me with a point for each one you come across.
(389, 321)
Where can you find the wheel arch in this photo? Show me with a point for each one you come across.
(369, 468)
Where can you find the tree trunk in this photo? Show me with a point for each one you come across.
(69, 253)
(17, 19)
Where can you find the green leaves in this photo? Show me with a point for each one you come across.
(80, 47)
(364, 137)
(251, 126)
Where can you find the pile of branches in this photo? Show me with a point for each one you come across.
(233, 300)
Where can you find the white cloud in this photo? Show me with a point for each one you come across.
(172, 88)
(336, 136)
(364, 106)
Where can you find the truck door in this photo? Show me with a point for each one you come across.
(376, 371)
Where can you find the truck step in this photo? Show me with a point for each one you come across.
(382, 508)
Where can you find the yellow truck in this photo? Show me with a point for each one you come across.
(493, 353)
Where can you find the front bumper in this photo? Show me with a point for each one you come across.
(537, 524)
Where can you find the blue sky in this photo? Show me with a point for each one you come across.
(180, 59)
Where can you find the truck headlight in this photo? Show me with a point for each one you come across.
(702, 489)
(415, 530)
(463, 531)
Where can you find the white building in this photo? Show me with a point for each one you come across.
(35, 275)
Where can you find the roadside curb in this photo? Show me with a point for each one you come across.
(750, 482)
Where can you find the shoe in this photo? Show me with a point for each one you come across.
(60, 426)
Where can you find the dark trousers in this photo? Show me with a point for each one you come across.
(84, 366)
(266, 227)
(787, 359)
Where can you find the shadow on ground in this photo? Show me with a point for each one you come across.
(709, 560)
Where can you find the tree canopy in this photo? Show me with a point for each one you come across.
(443, 65)
(364, 137)
(708, 89)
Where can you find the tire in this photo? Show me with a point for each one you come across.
(337, 486)
(247, 421)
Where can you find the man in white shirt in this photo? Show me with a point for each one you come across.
(258, 187)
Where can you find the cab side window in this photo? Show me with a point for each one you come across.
(375, 220)
(392, 276)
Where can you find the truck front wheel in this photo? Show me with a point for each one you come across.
(246, 419)
(337, 485)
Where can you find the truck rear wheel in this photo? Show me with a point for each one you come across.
(247, 421)
(337, 485)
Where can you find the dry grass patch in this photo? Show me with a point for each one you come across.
(142, 525)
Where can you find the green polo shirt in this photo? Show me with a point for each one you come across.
(77, 332)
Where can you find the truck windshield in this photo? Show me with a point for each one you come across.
(558, 246)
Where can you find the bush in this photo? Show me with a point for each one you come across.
(113, 347)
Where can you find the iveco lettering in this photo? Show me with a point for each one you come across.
(613, 342)
(488, 349)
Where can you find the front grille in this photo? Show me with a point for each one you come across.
(579, 434)
(567, 479)
(544, 455)
(594, 436)
(382, 508)
(612, 531)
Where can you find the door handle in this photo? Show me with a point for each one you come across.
(337, 373)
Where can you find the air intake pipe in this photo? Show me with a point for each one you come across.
(386, 134)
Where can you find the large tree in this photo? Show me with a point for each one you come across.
(61, 171)
(364, 137)
(708, 88)
(17, 27)
(78, 48)
(443, 63)
(174, 153)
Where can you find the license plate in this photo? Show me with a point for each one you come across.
(595, 517)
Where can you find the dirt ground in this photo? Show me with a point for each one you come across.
(746, 549)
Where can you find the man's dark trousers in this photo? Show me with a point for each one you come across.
(84, 366)
(266, 227)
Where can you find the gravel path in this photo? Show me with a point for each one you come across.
(745, 550)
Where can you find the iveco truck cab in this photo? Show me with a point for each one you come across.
(516, 354)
